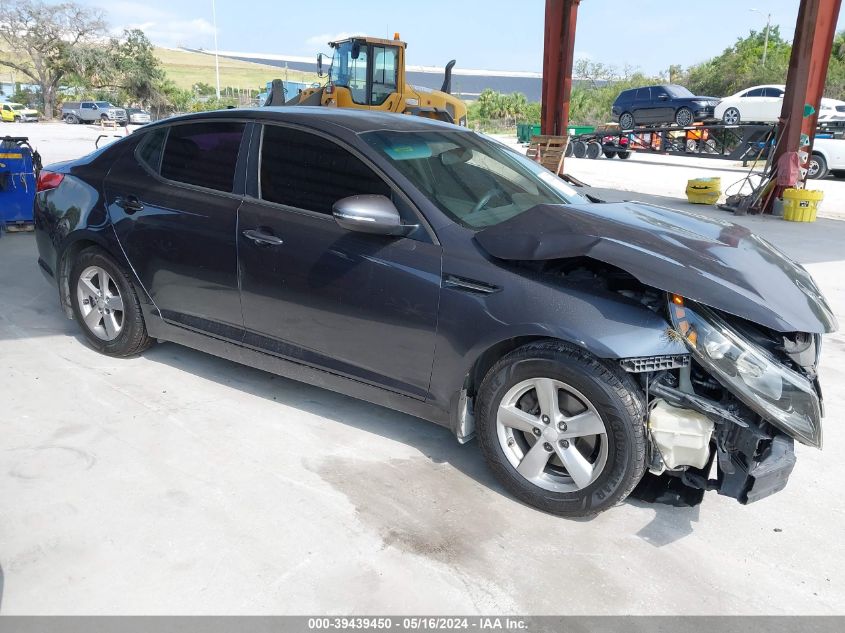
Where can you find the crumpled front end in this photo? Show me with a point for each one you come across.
(726, 417)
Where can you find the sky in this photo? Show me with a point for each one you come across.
(648, 35)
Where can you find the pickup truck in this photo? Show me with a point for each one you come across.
(828, 157)
(92, 112)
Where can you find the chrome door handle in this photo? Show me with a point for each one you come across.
(259, 237)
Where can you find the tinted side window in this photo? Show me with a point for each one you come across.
(310, 172)
(758, 92)
(772, 92)
(203, 154)
(150, 150)
(643, 94)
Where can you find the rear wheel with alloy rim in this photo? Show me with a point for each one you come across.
(106, 306)
(626, 121)
(562, 430)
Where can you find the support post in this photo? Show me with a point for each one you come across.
(811, 48)
(558, 51)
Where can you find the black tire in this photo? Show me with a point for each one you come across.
(579, 149)
(17, 119)
(817, 167)
(616, 399)
(691, 146)
(684, 117)
(731, 116)
(568, 151)
(71, 119)
(838, 173)
(624, 155)
(608, 153)
(626, 121)
(593, 150)
(133, 337)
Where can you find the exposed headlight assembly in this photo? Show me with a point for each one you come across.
(782, 396)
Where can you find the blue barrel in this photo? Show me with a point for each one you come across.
(17, 181)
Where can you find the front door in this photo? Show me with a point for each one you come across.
(172, 205)
(362, 306)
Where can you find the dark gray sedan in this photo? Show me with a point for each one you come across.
(429, 269)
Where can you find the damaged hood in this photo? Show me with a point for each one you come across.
(716, 263)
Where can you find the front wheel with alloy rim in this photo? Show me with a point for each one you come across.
(106, 306)
(684, 117)
(731, 117)
(562, 430)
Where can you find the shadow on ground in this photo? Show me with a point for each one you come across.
(27, 314)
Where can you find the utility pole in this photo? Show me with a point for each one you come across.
(766, 36)
(216, 57)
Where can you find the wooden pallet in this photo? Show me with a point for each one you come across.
(548, 151)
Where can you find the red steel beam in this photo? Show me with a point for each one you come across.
(558, 50)
(811, 48)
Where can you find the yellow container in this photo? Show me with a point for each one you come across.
(801, 205)
(704, 190)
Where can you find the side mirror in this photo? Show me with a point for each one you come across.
(356, 49)
(369, 214)
(94, 106)
(319, 64)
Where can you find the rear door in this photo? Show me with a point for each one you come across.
(358, 305)
(643, 106)
(173, 203)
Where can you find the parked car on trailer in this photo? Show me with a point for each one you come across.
(426, 268)
(92, 112)
(667, 103)
(763, 104)
(18, 113)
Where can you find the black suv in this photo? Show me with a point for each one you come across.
(668, 103)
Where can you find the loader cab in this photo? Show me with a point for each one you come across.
(367, 73)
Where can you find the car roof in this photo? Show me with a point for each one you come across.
(356, 121)
(780, 86)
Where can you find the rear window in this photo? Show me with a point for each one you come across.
(625, 95)
(203, 154)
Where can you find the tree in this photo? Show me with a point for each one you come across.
(740, 66)
(126, 66)
(37, 40)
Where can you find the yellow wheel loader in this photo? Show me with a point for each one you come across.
(368, 73)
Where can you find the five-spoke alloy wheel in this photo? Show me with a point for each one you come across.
(562, 430)
(106, 305)
(559, 450)
(100, 303)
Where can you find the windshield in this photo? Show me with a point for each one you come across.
(475, 181)
(349, 69)
(104, 104)
(18, 106)
(678, 91)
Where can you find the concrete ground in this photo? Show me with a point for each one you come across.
(179, 483)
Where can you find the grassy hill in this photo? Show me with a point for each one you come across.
(186, 69)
